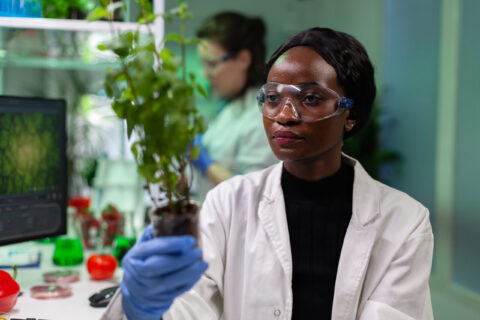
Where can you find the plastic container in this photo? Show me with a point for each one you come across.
(68, 252)
(45, 292)
(121, 246)
(21, 8)
(61, 276)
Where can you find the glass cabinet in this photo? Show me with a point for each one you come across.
(58, 58)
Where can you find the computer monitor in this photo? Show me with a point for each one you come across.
(33, 180)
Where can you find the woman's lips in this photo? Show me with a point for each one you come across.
(286, 137)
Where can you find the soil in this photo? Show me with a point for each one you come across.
(166, 223)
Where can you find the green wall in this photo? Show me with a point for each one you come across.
(283, 18)
(467, 202)
(363, 19)
(410, 80)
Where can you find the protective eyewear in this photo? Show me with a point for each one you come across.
(309, 102)
(213, 63)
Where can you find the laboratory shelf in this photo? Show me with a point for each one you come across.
(56, 63)
(68, 24)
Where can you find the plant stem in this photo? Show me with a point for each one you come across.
(150, 194)
(129, 79)
(155, 50)
(150, 32)
(184, 68)
(168, 191)
(187, 184)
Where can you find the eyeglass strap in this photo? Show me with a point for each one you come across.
(346, 103)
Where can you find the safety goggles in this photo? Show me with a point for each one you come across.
(211, 64)
(309, 102)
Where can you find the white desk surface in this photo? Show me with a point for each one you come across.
(75, 307)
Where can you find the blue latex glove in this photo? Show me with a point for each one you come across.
(203, 161)
(156, 271)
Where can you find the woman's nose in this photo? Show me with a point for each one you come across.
(207, 72)
(288, 113)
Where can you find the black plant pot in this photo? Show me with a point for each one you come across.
(168, 223)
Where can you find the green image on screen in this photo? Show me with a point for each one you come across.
(29, 153)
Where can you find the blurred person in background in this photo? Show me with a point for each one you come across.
(232, 51)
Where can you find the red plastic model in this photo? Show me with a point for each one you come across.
(79, 203)
(101, 266)
(9, 290)
(113, 222)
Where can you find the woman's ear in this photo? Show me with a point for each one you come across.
(349, 121)
(244, 57)
(349, 124)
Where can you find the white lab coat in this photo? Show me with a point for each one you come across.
(236, 140)
(382, 274)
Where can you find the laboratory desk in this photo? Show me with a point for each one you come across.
(75, 307)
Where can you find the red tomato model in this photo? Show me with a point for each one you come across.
(101, 266)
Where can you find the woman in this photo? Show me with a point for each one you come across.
(232, 50)
(311, 237)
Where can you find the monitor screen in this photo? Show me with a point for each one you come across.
(33, 183)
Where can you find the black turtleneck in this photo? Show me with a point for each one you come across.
(318, 213)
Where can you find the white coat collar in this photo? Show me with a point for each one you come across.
(273, 216)
(366, 193)
(358, 242)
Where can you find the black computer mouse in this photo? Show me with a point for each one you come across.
(103, 297)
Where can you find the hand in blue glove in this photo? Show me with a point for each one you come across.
(203, 161)
(156, 271)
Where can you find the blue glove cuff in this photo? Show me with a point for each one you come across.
(204, 162)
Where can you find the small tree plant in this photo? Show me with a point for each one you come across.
(152, 92)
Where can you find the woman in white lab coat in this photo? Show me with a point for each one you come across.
(232, 50)
(313, 237)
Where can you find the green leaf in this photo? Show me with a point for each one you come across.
(150, 47)
(108, 89)
(121, 77)
(121, 51)
(136, 38)
(127, 94)
(129, 37)
(102, 47)
(135, 146)
(192, 41)
(111, 84)
(194, 152)
(166, 55)
(121, 108)
(167, 16)
(152, 17)
(130, 127)
(200, 89)
(98, 14)
(148, 171)
(173, 37)
(147, 18)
